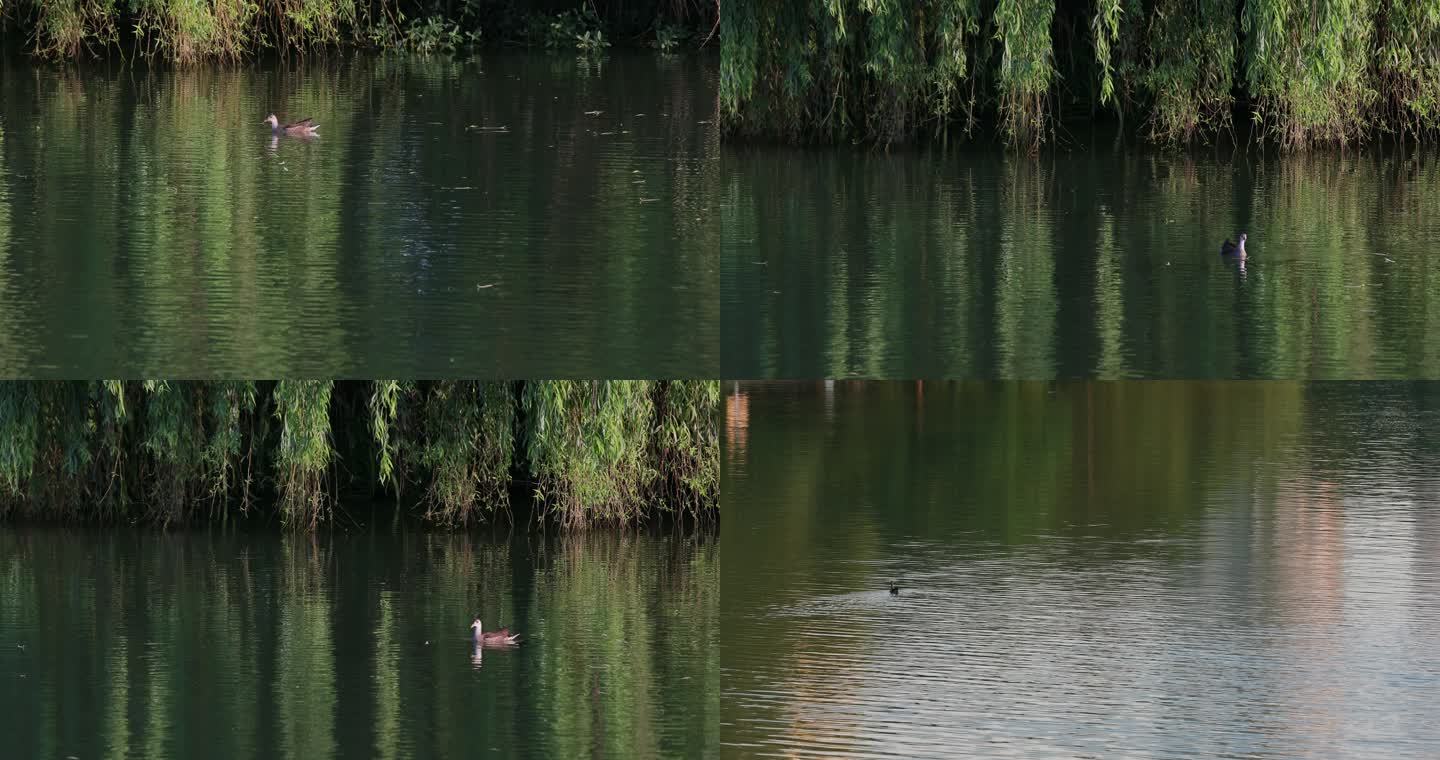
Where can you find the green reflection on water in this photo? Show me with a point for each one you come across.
(258, 646)
(1097, 261)
(149, 222)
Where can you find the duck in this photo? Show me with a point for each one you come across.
(500, 637)
(303, 128)
(1228, 248)
(894, 590)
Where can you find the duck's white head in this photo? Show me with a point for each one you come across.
(272, 121)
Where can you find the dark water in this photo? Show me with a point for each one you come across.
(1099, 262)
(150, 224)
(147, 645)
(1088, 570)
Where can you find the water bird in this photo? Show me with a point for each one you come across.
(1228, 248)
(302, 128)
(500, 637)
(894, 590)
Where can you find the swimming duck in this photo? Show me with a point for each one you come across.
(1228, 248)
(502, 636)
(894, 590)
(303, 128)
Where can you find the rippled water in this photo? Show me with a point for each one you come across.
(510, 214)
(145, 645)
(1097, 261)
(1087, 570)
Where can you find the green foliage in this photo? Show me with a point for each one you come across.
(190, 450)
(1407, 59)
(468, 443)
(668, 37)
(384, 414)
(65, 27)
(1314, 85)
(1190, 74)
(586, 442)
(1023, 29)
(434, 34)
(1330, 73)
(304, 454)
(687, 444)
(591, 42)
(19, 436)
(186, 31)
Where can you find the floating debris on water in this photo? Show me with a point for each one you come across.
(593, 113)
(648, 200)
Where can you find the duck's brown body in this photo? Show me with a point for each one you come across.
(302, 128)
(499, 637)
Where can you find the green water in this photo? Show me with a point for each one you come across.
(509, 214)
(256, 646)
(1096, 260)
(1086, 570)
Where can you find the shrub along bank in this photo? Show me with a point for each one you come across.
(1307, 74)
(451, 452)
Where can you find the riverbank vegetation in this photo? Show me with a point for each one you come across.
(1178, 71)
(451, 452)
(184, 32)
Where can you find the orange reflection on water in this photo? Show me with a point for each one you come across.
(737, 421)
(1309, 561)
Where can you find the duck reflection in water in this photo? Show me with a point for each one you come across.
(476, 656)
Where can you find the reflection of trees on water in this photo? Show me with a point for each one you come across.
(1089, 264)
(231, 646)
(155, 197)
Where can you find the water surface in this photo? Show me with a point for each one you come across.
(510, 214)
(144, 645)
(1087, 570)
(1096, 261)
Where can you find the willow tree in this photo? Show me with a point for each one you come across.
(1308, 74)
(172, 452)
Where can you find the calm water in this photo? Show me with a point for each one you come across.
(147, 645)
(1088, 570)
(1094, 263)
(456, 217)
